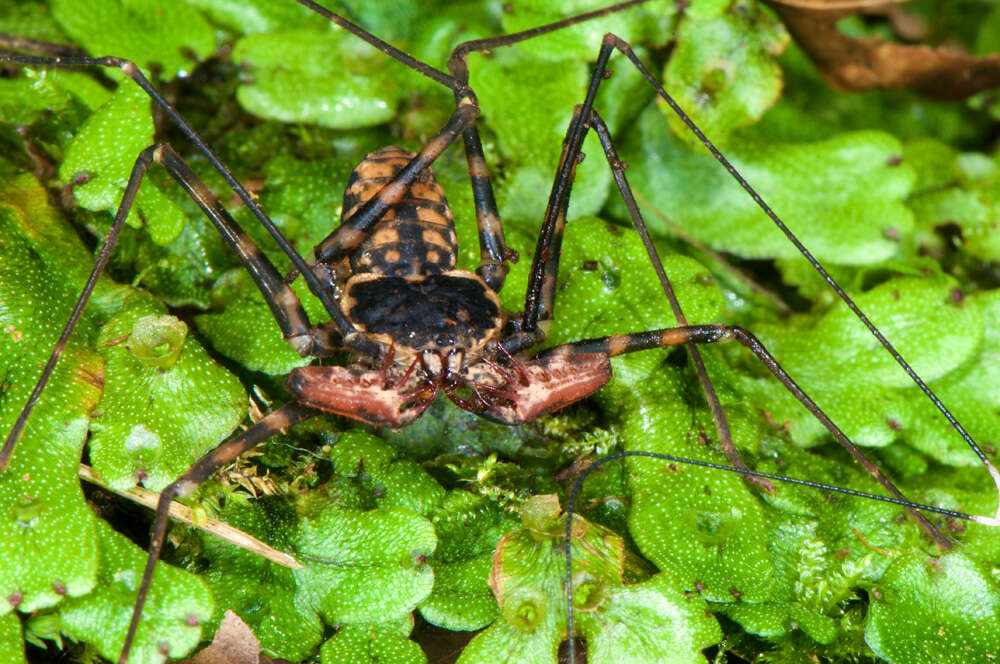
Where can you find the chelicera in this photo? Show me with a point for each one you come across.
(413, 324)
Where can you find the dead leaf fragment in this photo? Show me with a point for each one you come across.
(865, 64)
(234, 643)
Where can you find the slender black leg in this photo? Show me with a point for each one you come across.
(540, 296)
(457, 63)
(131, 189)
(494, 253)
(278, 420)
(626, 49)
(721, 423)
(340, 322)
(620, 344)
(668, 337)
(284, 304)
(354, 230)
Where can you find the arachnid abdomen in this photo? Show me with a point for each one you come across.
(405, 290)
(417, 235)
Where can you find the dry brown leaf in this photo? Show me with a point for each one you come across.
(234, 643)
(865, 64)
(908, 27)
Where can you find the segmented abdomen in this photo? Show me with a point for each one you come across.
(417, 235)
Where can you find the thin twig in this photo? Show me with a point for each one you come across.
(182, 513)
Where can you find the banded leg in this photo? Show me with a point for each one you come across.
(621, 45)
(296, 329)
(620, 344)
(493, 247)
(316, 286)
(284, 305)
(353, 231)
(494, 254)
(279, 420)
(614, 345)
(540, 296)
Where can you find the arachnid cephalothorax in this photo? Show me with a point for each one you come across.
(413, 325)
(437, 329)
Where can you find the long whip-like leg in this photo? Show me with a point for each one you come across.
(129, 68)
(536, 298)
(542, 286)
(626, 49)
(131, 189)
(627, 343)
(540, 296)
(278, 420)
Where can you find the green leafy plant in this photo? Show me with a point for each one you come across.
(454, 519)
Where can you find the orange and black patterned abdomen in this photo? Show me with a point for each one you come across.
(417, 235)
